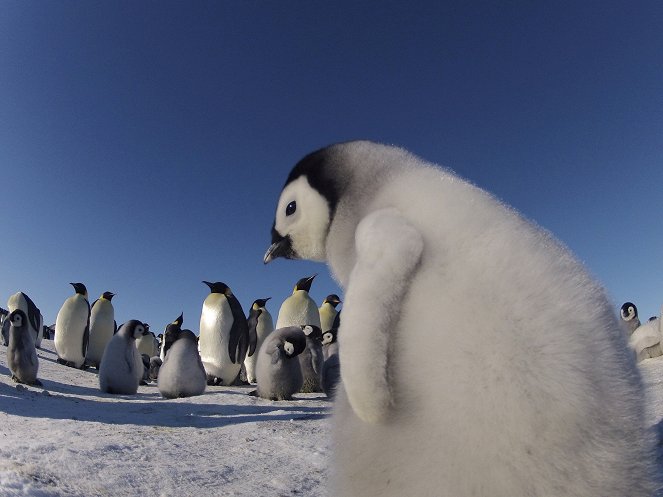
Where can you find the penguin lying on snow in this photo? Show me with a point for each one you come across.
(531, 409)
(182, 374)
(21, 353)
(121, 368)
(278, 372)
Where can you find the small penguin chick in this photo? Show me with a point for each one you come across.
(629, 315)
(122, 368)
(21, 353)
(182, 374)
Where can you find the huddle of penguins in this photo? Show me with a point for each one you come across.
(181, 362)
(476, 354)
(643, 338)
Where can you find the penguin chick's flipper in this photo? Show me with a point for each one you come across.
(388, 249)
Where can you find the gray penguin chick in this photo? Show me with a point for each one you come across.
(311, 360)
(277, 370)
(182, 374)
(21, 352)
(121, 368)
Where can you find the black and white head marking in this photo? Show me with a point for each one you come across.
(17, 318)
(305, 210)
(629, 311)
(288, 348)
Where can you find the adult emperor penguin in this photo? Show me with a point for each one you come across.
(299, 309)
(121, 368)
(169, 335)
(260, 325)
(102, 328)
(35, 321)
(21, 353)
(72, 328)
(555, 406)
(182, 374)
(629, 315)
(328, 311)
(277, 369)
(224, 335)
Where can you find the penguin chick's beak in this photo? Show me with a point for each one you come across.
(281, 247)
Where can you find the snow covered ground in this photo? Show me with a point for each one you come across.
(70, 439)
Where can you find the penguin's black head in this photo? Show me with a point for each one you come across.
(312, 331)
(79, 288)
(294, 343)
(17, 318)
(306, 207)
(179, 321)
(329, 336)
(108, 295)
(132, 329)
(218, 287)
(629, 311)
(258, 303)
(305, 283)
(187, 335)
(333, 299)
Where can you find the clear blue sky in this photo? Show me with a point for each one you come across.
(143, 145)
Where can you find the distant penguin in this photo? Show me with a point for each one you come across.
(277, 369)
(182, 374)
(647, 339)
(146, 344)
(72, 328)
(329, 343)
(121, 368)
(328, 311)
(224, 335)
(21, 353)
(554, 406)
(4, 313)
(169, 335)
(299, 309)
(35, 322)
(311, 360)
(155, 365)
(102, 328)
(629, 315)
(260, 325)
(331, 375)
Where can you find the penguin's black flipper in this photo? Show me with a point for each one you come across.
(239, 332)
(33, 312)
(86, 339)
(253, 334)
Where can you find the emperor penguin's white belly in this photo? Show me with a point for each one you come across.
(263, 329)
(102, 326)
(70, 326)
(216, 321)
(298, 310)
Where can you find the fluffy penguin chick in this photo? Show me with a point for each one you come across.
(21, 353)
(35, 321)
(629, 315)
(555, 405)
(121, 368)
(260, 325)
(182, 374)
(102, 328)
(311, 360)
(169, 335)
(72, 328)
(277, 370)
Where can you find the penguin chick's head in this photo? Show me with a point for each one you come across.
(333, 299)
(107, 295)
(260, 303)
(17, 318)
(305, 208)
(629, 311)
(187, 335)
(132, 329)
(294, 343)
(218, 287)
(80, 289)
(329, 337)
(304, 284)
(312, 331)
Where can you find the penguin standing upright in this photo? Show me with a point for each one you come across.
(121, 368)
(35, 322)
(182, 374)
(21, 353)
(147, 344)
(102, 328)
(629, 315)
(328, 311)
(169, 335)
(278, 373)
(72, 328)
(224, 335)
(260, 325)
(555, 405)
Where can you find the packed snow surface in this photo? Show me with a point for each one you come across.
(68, 438)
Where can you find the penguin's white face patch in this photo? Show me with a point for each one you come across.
(288, 348)
(138, 331)
(303, 215)
(629, 314)
(17, 321)
(327, 338)
(307, 330)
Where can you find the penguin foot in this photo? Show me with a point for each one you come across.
(253, 393)
(37, 383)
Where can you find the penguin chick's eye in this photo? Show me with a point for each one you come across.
(291, 208)
(139, 330)
(17, 321)
(288, 348)
(630, 310)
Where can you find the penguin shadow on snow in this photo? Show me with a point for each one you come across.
(145, 409)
